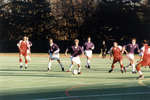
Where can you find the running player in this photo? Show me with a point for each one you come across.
(29, 44)
(22, 46)
(75, 51)
(116, 52)
(104, 49)
(130, 53)
(88, 47)
(145, 57)
(53, 51)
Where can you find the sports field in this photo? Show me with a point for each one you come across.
(36, 83)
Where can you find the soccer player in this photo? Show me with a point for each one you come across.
(75, 51)
(145, 57)
(104, 49)
(116, 51)
(22, 46)
(53, 51)
(29, 44)
(130, 53)
(88, 47)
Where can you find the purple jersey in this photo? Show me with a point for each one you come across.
(75, 51)
(131, 48)
(88, 46)
(52, 48)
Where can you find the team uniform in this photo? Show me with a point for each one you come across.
(104, 50)
(29, 44)
(23, 47)
(131, 51)
(145, 53)
(88, 47)
(75, 56)
(54, 55)
(117, 57)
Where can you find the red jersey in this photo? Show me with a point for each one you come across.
(22, 45)
(116, 51)
(146, 56)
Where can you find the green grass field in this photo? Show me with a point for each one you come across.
(36, 83)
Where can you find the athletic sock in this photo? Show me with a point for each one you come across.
(49, 65)
(140, 72)
(70, 67)
(88, 62)
(61, 65)
(133, 67)
(79, 69)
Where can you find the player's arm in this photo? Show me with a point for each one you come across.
(93, 46)
(138, 49)
(57, 49)
(18, 45)
(66, 52)
(124, 49)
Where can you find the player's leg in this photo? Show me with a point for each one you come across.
(138, 68)
(79, 68)
(70, 66)
(49, 64)
(62, 67)
(26, 61)
(21, 60)
(113, 66)
(88, 62)
(29, 55)
(122, 67)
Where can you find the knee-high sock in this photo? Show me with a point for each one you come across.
(112, 67)
(121, 67)
(49, 65)
(61, 64)
(70, 67)
(138, 68)
(133, 67)
(88, 62)
(20, 61)
(26, 62)
(79, 68)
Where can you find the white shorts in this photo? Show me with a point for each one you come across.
(88, 53)
(54, 56)
(76, 59)
(130, 56)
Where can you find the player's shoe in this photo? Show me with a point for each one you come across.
(110, 71)
(49, 69)
(21, 66)
(68, 71)
(140, 77)
(63, 69)
(87, 66)
(26, 67)
(79, 73)
(133, 72)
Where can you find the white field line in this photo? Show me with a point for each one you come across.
(98, 95)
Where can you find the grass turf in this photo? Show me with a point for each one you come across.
(36, 83)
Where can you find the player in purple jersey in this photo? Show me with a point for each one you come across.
(130, 53)
(88, 47)
(53, 51)
(75, 51)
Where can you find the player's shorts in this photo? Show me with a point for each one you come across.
(117, 59)
(130, 56)
(76, 59)
(23, 53)
(54, 56)
(88, 53)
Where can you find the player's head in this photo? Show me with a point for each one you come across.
(115, 44)
(25, 38)
(133, 40)
(76, 41)
(89, 39)
(145, 42)
(50, 40)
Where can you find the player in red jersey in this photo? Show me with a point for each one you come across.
(145, 59)
(116, 52)
(22, 46)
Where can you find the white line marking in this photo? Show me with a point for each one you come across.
(100, 95)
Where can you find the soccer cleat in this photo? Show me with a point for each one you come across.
(89, 66)
(133, 72)
(140, 77)
(26, 67)
(79, 73)
(21, 66)
(110, 71)
(68, 71)
(63, 69)
(49, 69)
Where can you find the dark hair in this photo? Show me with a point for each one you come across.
(134, 39)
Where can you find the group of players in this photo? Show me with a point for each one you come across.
(76, 50)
